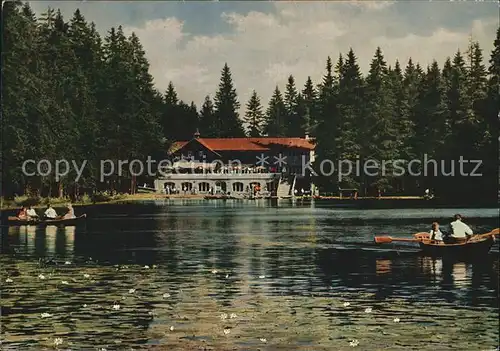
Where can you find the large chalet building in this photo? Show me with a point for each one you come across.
(266, 166)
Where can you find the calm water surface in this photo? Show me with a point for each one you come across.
(244, 276)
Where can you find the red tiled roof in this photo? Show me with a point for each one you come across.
(247, 144)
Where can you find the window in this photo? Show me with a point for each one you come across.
(204, 187)
(238, 187)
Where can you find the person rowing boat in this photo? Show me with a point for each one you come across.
(460, 231)
(50, 213)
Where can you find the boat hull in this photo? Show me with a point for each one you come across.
(470, 249)
(69, 222)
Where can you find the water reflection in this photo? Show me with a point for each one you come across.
(286, 273)
(46, 241)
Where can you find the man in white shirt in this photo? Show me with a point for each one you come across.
(460, 230)
(50, 212)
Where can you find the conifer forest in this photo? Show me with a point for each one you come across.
(70, 93)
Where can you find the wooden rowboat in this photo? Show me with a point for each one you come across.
(58, 221)
(475, 246)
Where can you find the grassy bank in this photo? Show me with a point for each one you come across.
(19, 201)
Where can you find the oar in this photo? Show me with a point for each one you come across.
(493, 232)
(388, 239)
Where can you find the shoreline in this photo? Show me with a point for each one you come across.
(11, 204)
(126, 198)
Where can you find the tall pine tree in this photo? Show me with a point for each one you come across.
(207, 119)
(310, 100)
(227, 121)
(275, 116)
(254, 117)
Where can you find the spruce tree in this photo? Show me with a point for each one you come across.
(491, 114)
(327, 133)
(293, 119)
(170, 121)
(254, 117)
(275, 116)
(207, 119)
(350, 113)
(310, 98)
(24, 99)
(379, 137)
(477, 93)
(228, 123)
(403, 119)
(431, 130)
(460, 107)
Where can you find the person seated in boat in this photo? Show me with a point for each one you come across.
(23, 213)
(459, 230)
(32, 213)
(50, 213)
(435, 232)
(70, 214)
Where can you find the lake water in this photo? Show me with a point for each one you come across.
(243, 275)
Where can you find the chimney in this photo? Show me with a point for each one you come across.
(197, 134)
(306, 136)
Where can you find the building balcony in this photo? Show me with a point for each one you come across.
(219, 176)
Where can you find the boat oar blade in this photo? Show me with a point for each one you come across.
(383, 239)
(388, 239)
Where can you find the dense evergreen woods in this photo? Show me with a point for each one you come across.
(69, 93)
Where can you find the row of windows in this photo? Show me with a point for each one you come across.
(204, 186)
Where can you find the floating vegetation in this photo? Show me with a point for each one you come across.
(183, 306)
(354, 343)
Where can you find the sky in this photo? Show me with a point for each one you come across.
(264, 42)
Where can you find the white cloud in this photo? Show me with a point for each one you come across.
(263, 49)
